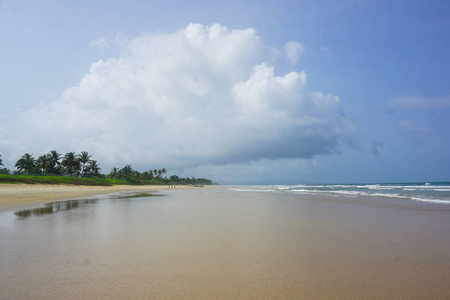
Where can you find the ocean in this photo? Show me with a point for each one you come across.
(429, 192)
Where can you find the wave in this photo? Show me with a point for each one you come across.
(251, 190)
(432, 193)
(440, 201)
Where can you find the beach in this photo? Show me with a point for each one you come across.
(15, 196)
(219, 243)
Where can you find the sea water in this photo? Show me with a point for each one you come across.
(431, 192)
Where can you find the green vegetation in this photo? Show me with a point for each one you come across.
(53, 163)
(80, 169)
(152, 177)
(3, 170)
(45, 179)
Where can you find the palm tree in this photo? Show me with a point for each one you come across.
(93, 168)
(126, 172)
(55, 157)
(163, 171)
(83, 158)
(113, 173)
(71, 163)
(26, 163)
(1, 164)
(174, 178)
(44, 164)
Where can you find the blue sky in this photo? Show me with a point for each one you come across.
(237, 91)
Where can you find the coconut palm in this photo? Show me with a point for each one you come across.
(113, 173)
(126, 172)
(93, 168)
(1, 163)
(84, 158)
(55, 157)
(44, 164)
(26, 164)
(71, 163)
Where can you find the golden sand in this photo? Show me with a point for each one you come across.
(13, 196)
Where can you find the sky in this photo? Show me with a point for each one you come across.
(241, 92)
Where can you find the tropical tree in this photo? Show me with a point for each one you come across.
(174, 178)
(26, 164)
(54, 157)
(3, 170)
(126, 172)
(71, 163)
(44, 164)
(93, 168)
(163, 172)
(84, 159)
(113, 173)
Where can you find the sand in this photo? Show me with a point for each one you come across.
(218, 244)
(15, 196)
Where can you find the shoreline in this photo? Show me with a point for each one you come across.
(17, 196)
(220, 244)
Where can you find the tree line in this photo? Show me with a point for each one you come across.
(129, 173)
(72, 164)
(54, 163)
(3, 170)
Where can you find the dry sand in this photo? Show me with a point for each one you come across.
(14, 196)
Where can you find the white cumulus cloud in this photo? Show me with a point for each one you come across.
(101, 43)
(293, 50)
(199, 96)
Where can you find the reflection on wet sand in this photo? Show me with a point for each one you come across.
(53, 207)
(50, 208)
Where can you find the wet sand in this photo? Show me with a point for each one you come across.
(15, 196)
(217, 244)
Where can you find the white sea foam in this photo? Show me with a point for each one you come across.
(349, 193)
(427, 187)
(441, 201)
(425, 193)
(302, 191)
(251, 190)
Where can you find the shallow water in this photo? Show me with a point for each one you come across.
(222, 243)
